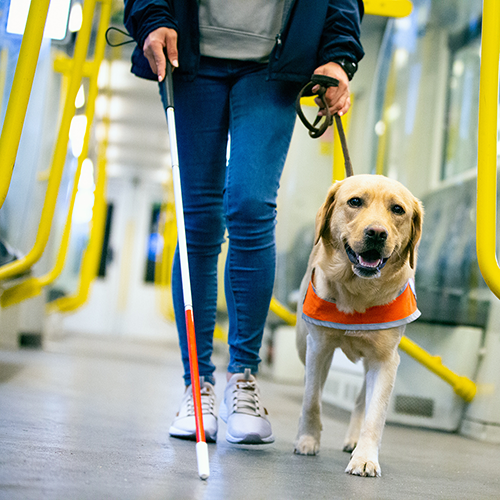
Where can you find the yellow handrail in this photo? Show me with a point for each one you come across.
(20, 94)
(60, 150)
(33, 286)
(486, 229)
(282, 312)
(463, 387)
(388, 8)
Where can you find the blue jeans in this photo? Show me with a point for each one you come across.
(230, 99)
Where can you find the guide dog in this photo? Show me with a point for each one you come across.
(361, 267)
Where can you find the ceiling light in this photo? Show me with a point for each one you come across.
(75, 17)
(80, 98)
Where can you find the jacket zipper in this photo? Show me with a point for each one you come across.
(287, 9)
(279, 46)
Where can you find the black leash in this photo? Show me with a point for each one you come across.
(111, 43)
(316, 131)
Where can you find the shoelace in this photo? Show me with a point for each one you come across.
(246, 398)
(207, 402)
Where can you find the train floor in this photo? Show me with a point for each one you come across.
(88, 418)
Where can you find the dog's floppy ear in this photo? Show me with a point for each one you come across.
(416, 231)
(324, 215)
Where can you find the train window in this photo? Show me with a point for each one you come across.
(405, 83)
(423, 116)
(460, 147)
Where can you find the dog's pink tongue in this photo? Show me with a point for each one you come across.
(369, 263)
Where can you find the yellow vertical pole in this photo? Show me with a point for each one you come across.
(486, 229)
(20, 94)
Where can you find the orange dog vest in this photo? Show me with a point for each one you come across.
(401, 311)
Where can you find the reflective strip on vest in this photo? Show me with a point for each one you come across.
(401, 311)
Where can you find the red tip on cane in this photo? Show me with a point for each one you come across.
(195, 375)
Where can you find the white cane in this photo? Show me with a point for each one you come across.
(167, 97)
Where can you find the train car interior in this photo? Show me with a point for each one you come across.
(90, 370)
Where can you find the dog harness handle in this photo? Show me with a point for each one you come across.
(315, 131)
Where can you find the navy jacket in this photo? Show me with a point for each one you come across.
(314, 32)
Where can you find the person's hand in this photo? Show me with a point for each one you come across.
(338, 98)
(159, 42)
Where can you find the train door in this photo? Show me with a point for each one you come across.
(123, 300)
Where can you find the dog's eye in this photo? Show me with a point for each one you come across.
(398, 209)
(355, 202)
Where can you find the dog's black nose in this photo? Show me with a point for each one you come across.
(376, 234)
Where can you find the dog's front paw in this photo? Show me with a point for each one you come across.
(362, 466)
(306, 445)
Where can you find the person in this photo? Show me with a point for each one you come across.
(238, 68)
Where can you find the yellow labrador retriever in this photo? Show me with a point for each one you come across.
(358, 295)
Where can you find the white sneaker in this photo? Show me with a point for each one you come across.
(243, 412)
(184, 424)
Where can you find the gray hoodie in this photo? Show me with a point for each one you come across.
(239, 29)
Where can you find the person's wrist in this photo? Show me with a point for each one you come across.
(350, 67)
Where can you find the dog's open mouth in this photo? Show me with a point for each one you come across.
(366, 264)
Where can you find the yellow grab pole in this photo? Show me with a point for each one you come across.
(20, 93)
(60, 150)
(33, 286)
(486, 229)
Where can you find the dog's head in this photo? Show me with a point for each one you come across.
(373, 220)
